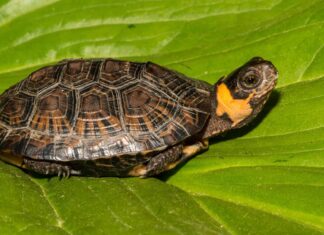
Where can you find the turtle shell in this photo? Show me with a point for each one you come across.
(92, 109)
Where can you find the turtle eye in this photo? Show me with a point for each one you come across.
(249, 81)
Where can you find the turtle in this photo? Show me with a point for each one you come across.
(110, 117)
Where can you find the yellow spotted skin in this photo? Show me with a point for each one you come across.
(236, 109)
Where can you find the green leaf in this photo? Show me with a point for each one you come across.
(266, 178)
(97, 206)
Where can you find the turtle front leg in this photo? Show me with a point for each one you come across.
(164, 160)
(158, 163)
(48, 168)
(188, 151)
(168, 159)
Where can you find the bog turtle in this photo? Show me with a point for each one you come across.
(106, 117)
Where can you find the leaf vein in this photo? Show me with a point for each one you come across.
(268, 208)
(148, 209)
(59, 219)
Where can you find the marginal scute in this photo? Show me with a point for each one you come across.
(16, 142)
(69, 148)
(40, 146)
(3, 132)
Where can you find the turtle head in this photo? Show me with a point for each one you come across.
(241, 95)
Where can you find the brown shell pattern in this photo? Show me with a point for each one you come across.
(91, 109)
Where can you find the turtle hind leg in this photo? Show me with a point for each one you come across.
(48, 168)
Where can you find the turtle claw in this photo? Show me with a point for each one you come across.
(64, 172)
(68, 174)
(47, 170)
(60, 173)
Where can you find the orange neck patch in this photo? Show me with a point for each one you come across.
(236, 109)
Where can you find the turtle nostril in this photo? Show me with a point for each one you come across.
(271, 68)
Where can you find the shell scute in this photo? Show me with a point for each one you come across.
(54, 111)
(116, 74)
(99, 113)
(79, 73)
(3, 133)
(69, 148)
(15, 109)
(16, 142)
(146, 109)
(39, 145)
(42, 79)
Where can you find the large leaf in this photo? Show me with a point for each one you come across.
(267, 178)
